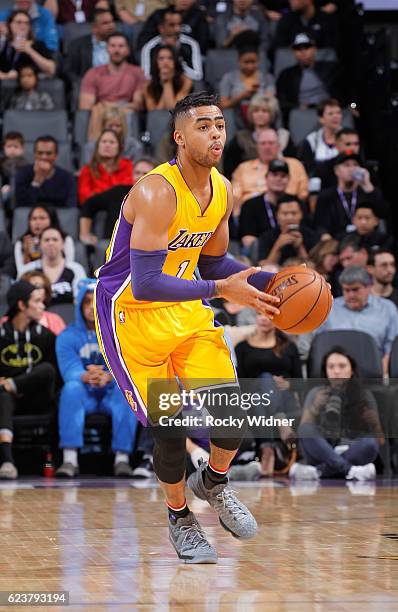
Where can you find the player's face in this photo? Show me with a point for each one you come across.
(384, 268)
(365, 221)
(277, 181)
(202, 135)
(338, 366)
(356, 295)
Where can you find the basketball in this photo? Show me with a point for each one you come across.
(305, 297)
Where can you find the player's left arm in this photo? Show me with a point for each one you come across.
(215, 263)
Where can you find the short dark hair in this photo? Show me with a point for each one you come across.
(353, 241)
(345, 131)
(369, 206)
(46, 138)
(373, 255)
(119, 35)
(330, 102)
(193, 100)
(100, 11)
(247, 49)
(287, 198)
(339, 350)
(14, 136)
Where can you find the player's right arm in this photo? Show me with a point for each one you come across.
(150, 208)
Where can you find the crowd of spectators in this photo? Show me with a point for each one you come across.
(315, 200)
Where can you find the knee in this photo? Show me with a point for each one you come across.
(370, 448)
(47, 371)
(169, 459)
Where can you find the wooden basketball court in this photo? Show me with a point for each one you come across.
(329, 547)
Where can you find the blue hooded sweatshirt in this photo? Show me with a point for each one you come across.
(77, 347)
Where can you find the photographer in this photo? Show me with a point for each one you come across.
(340, 430)
(290, 237)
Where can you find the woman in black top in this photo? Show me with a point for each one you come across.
(20, 49)
(269, 354)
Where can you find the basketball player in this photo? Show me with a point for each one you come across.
(152, 323)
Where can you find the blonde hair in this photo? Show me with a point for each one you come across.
(270, 103)
(114, 112)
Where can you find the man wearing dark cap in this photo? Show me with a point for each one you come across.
(258, 213)
(304, 16)
(28, 370)
(309, 82)
(336, 206)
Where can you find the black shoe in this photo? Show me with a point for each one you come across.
(144, 469)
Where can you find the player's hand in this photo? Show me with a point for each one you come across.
(237, 290)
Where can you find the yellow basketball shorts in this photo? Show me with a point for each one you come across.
(180, 340)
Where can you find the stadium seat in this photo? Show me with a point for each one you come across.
(66, 311)
(68, 219)
(2, 221)
(230, 124)
(64, 155)
(157, 123)
(360, 345)
(72, 31)
(218, 62)
(80, 127)
(55, 87)
(393, 363)
(33, 124)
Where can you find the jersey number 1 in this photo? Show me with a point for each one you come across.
(182, 267)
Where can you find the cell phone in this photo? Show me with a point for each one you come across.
(293, 227)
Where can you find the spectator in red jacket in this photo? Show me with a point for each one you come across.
(106, 169)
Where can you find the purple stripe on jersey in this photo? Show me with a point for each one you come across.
(173, 162)
(108, 341)
(114, 272)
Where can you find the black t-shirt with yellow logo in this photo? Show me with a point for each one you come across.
(21, 351)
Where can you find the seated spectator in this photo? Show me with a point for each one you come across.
(258, 214)
(169, 33)
(90, 51)
(21, 49)
(13, 158)
(309, 82)
(51, 320)
(42, 21)
(241, 16)
(262, 113)
(110, 201)
(113, 83)
(168, 84)
(269, 354)
(63, 275)
(107, 167)
(335, 207)
(365, 223)
(358, 309)
(43, 181)
(132, 12)
(115, 119)
(382, 267)
(27, 246)
(70, 11)
(324, 257)
(249, 178)
(320, 145)
(89, 387)
(304, 16)
(340, 430)
(238, 86)
(27, 97)
(194, 22)
(352, 253)
(290, 237)
(28, 370)
(347, 139)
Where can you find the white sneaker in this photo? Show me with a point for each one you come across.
(299, 471)
(362, 472)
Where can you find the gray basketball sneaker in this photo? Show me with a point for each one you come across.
(233, 515)
(189, 541)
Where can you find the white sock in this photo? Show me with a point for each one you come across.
(119, 457)
(70, 456)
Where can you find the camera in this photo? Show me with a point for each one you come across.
(331, 417)
(293, 227)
